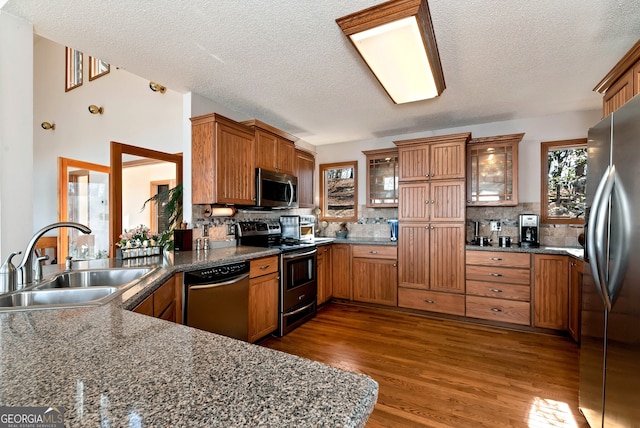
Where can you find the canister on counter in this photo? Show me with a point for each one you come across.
(504, 241)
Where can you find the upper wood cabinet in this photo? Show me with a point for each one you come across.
(304, 169)
(382, 178)
(432, 158)
(222, 161)
(275, 149)
(622, 82)
(432, 201)
(492, 170)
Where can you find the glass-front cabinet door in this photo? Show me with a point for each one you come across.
(382, 177)
(492, 170)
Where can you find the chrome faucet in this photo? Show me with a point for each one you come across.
(28, 264)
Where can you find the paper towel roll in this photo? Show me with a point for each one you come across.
(219, 211)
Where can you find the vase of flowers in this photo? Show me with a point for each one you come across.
(139, 242)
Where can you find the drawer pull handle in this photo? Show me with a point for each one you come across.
(497, 259)
(495, 290)
(429, 301)
(395, 265)
(496, 274)
(264, 267)
(373, 252)
(496, 309)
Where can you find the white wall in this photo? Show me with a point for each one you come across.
(16, 134)
(133, 114)
(547, 128)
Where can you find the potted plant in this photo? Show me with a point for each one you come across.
(173, 208)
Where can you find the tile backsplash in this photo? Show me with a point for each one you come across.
(551, 235)
(373, 223)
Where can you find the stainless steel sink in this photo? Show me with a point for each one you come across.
(117, 277)
(56, 298)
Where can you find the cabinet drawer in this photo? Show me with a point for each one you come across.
(431, 301)
(500, 291)
(499, 310)
(263, 266)
(499, 258)
(498, 274)
(375, 251)
(163, 297)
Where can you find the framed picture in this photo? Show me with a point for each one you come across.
(97, 68)
(73, 69)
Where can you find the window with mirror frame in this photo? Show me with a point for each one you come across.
(73, 69)
(325, 214)
(545, 148)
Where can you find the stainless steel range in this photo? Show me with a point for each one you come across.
(298, 271)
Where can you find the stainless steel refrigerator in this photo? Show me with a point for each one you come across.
(610, 337)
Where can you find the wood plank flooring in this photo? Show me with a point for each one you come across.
(441, 373)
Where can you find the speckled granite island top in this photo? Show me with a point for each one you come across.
(110, 367)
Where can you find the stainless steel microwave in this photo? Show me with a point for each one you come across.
(276, 190)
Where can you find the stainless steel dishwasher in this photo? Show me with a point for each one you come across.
(216, 299)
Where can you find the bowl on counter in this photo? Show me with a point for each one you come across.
(341, 234)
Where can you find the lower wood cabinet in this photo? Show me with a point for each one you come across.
(375, 274)
(499, 286)
(551, 291)
(324, 264)
(263, 297)
(432, 301)
(165, 302)
(575, 297)
(341, 270)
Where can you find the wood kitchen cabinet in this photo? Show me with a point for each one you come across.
(431, 258)
(375, 274)
(382, 178)
(441, 200)
(575, 297)
(492, 170)
(275, 149)
(263, 297)
(324, 266)
(304, 169)
(499, 286)
(341, 271)
(439, 158)
(622, 82)
(551, 291)
(165, 302)
(223, 161)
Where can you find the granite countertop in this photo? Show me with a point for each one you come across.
(577, 252)
(365, 241)
(112, 367)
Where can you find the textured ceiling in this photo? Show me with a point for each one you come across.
(288, 64)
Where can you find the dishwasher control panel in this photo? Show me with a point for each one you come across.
(216, 273)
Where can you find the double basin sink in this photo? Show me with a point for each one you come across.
(79, 288)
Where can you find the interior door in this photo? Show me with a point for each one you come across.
(83, 197)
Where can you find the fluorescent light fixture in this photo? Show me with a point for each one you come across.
(397, 42)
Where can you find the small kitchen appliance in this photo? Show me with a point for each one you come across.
(529, 230)
(393, 224)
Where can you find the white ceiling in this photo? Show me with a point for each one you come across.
(287, 63)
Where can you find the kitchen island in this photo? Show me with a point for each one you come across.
(108, 366)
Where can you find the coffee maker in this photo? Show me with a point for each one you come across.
(529, 230)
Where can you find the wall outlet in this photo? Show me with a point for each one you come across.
(495, 226)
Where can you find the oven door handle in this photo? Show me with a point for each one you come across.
(219, 284)
(295, 256)
(297, 311)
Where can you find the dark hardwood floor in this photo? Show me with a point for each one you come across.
(441, 373)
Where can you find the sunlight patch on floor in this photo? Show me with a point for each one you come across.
(550, 413)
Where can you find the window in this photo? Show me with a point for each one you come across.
(564, 175)
(97, 68)
(339, 191)
(73, 69)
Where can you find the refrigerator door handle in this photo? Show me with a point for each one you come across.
(595, 247)
(622, 216)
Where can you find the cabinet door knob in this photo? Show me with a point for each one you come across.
(432, 201)
(431, 227)
(395, 265)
